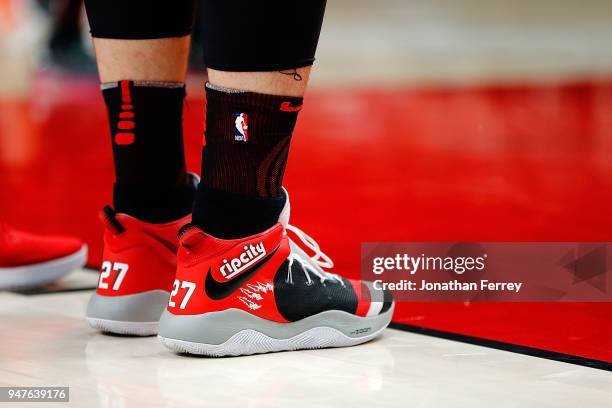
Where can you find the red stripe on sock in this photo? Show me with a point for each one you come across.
(124, 138)
(126, 115)
(127, 107)
(126, 125)
(286, 107)
(126, 97)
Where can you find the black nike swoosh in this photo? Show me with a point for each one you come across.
(218, 291)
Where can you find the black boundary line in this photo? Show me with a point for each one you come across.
(499, 345)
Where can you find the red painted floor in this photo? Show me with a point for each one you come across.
(522, 163)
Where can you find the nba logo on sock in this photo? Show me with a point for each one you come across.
(241, 131)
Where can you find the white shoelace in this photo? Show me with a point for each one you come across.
(315, 263)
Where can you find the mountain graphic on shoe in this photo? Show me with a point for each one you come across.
(264, 293)
(29, 260)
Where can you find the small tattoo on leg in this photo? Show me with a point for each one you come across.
(293, 73)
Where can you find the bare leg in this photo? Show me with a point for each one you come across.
(162, 60)
(291, 82)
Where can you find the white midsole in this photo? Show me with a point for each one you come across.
(250, 341)
(42, 273)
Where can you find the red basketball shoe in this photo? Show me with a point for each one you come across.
(263, 293)
(138, 267)
(30, 260)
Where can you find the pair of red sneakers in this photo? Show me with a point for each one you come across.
(210, 296)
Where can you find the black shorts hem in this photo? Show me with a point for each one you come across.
(250, 67)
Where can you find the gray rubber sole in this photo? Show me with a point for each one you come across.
(235, 332)
(22, 277)
(131, 314)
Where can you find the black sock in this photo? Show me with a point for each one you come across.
(146, 120)
(247, 144)
(229, 216)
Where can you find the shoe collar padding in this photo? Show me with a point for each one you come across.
(286, 212)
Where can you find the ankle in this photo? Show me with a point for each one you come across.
(154, 203)
(230, 216)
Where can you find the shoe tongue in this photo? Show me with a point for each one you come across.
(109, 219)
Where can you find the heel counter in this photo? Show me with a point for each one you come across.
(128, 268)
